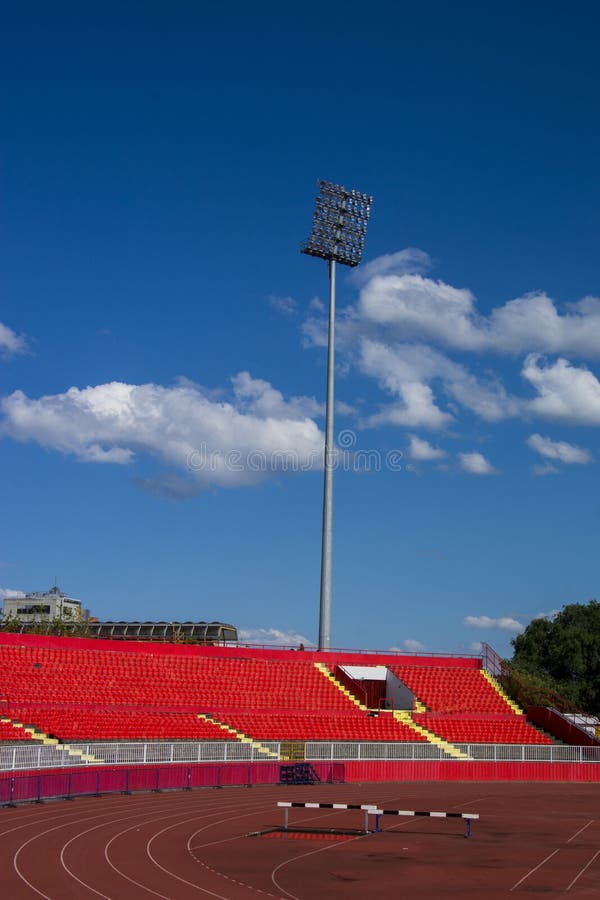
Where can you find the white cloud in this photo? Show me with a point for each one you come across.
(316, 305)
(542, 469)
(421, 308)
(403, 371)
(476, 646)
(487, 399)
(259, 397)
(504, 623)
(420, 449)
(403, 262)
(560, 451)
(285, 305)
(410, 371)
(11, 343)
(566, 393)
(314, 331)
(548, 615)
(8, 594)
(344, 409)
(412, 644)
(533, 322)
(241, 441)
(476, 464)
(391, 332)
(273, 636)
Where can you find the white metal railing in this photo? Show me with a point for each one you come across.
(425, 751)
(531, 752)
(374, 751)
(37, 756)
(21, 757)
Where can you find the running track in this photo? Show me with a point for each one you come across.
(530, 839)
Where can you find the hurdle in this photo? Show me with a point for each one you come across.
(369, 809)
(468, 817)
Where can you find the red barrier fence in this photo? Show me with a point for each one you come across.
(465, 770)
(127, 779)
(68, 784)
(555, 722)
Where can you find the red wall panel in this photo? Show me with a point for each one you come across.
(471, 771)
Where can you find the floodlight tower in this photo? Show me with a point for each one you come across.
(338, 235)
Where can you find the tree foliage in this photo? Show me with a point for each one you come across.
(565, 653)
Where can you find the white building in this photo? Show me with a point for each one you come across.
(43, 607)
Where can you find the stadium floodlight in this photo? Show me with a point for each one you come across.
(338, 235)
(339, 225)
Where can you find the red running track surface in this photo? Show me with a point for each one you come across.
(531, 839)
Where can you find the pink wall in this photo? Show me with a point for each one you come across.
(268, 773)
(471, 771)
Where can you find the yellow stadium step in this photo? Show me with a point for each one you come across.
(500, 690)
(419, 707)
(405, 716)
(240, 736)
(293, 751)
(325, 671)
(47, 741)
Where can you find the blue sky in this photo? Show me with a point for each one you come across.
(157, 176)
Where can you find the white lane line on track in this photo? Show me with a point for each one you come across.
(577, 833)
(303, 856)
(209, 868)
(585, 868)
(42, 819)
(94, 828)
(243, 884)
(196, 887)
(214, 811)
(471, 802)
(531, 871)
(539, 866)
(25, 844)
(74, 820)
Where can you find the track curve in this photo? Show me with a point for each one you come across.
(200, 844)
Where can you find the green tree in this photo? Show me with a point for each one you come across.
(565, 653)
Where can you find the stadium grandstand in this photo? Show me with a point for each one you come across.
(85, 694)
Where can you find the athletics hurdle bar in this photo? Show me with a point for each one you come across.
(434, 815)
(369, 809)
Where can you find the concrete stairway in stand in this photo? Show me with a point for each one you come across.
(405, 716)
(240, 736)
(39, 735)
(338, 684)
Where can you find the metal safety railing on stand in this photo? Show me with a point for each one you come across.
(26, 757)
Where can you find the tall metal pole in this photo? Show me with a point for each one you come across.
(328, 468)
(338, 235)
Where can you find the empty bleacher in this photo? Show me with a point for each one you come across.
(452, 689)
(354, 727)
(11, 732)
(78, 690)
(482, 729)
(73, 722)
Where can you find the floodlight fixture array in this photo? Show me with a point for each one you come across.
(338, 235)
(339, 224)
